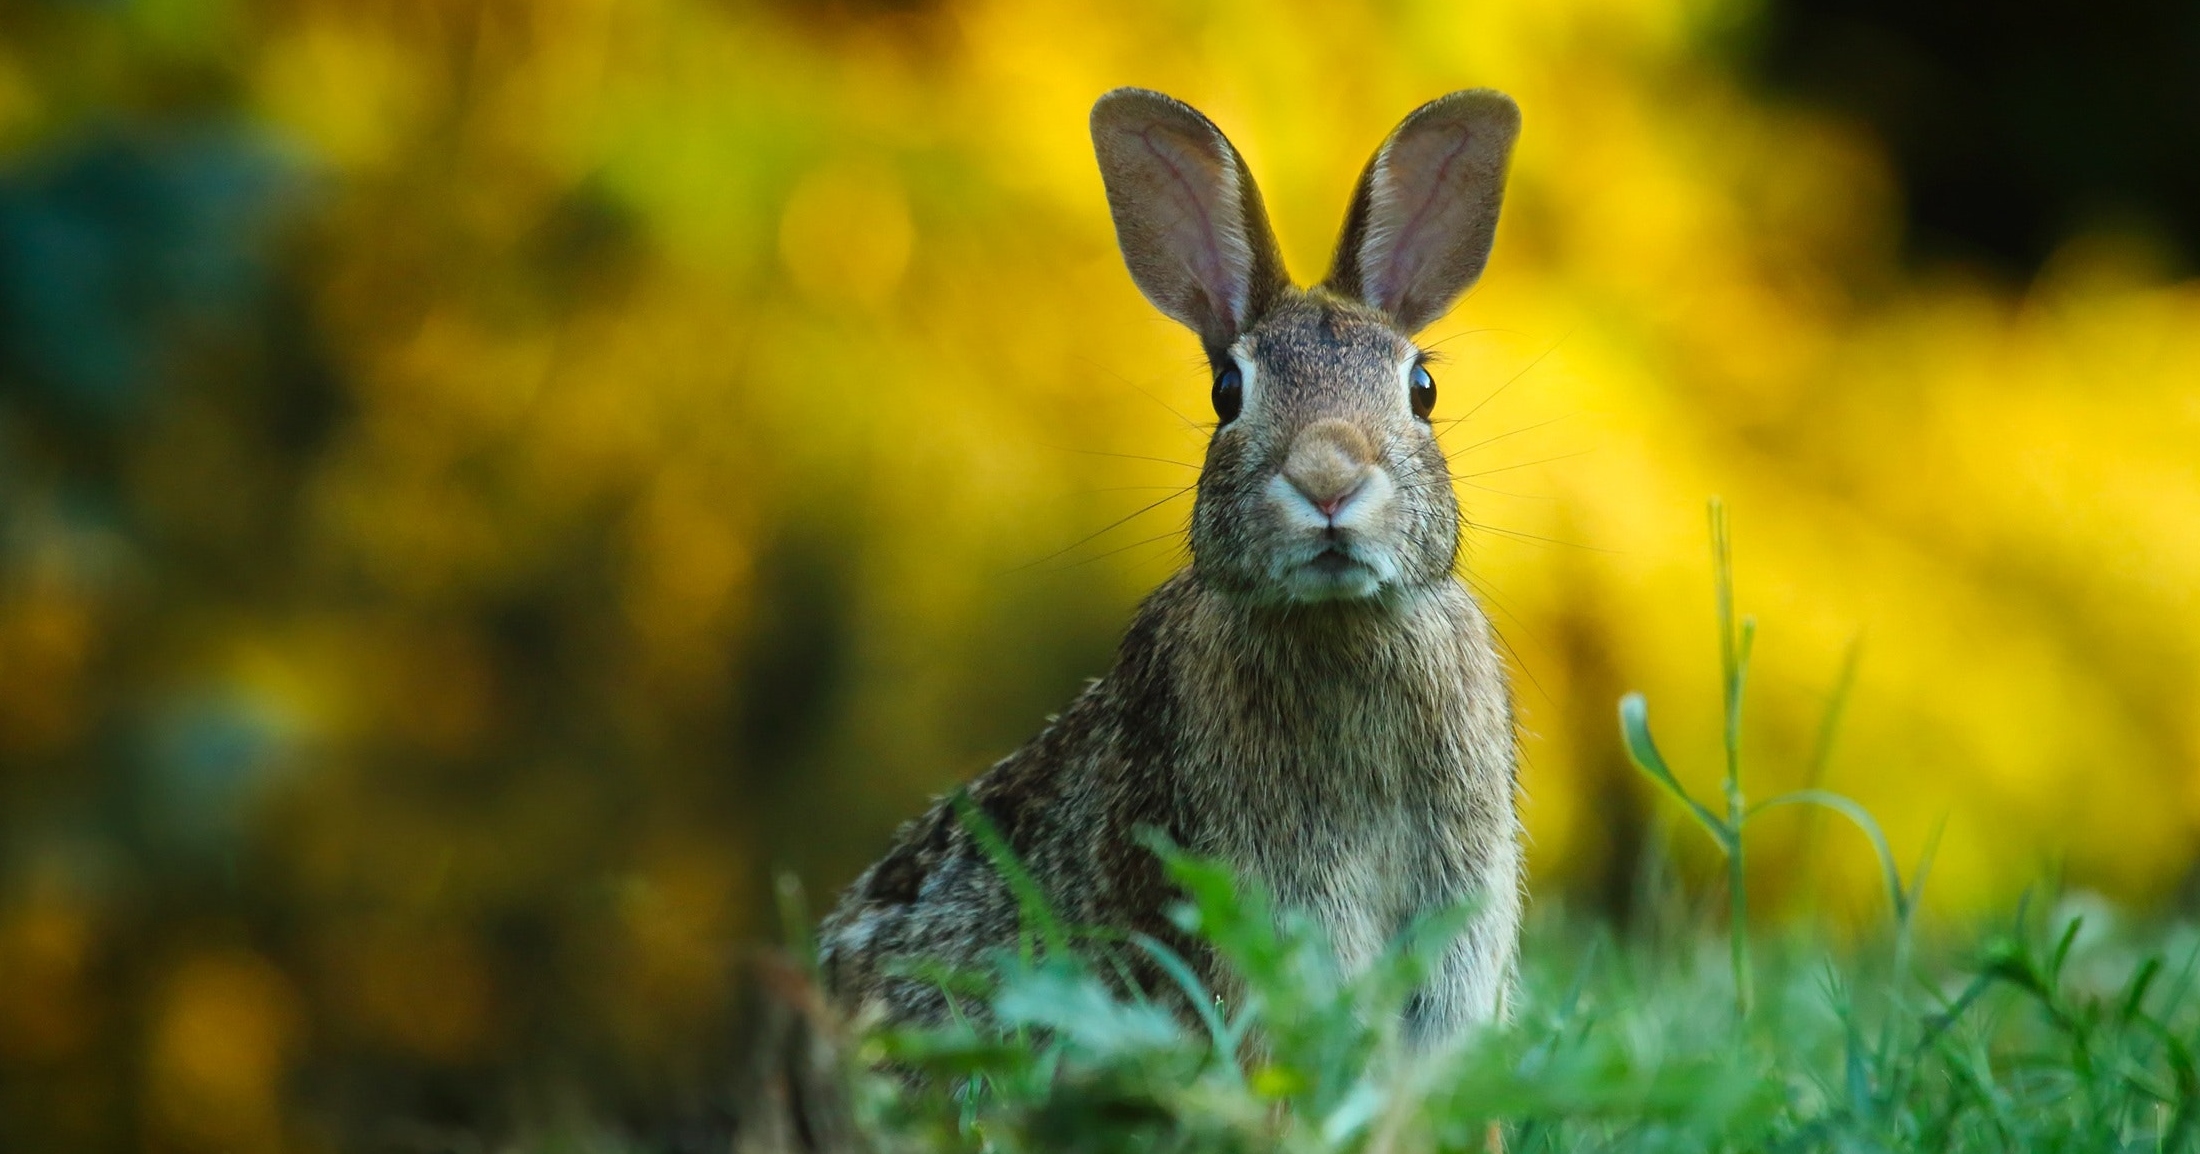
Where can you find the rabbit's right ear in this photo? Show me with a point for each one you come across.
(1187, 215)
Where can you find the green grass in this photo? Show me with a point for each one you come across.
(2062, 1028)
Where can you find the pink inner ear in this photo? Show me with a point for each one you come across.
(1198, 229)
(1416, 186)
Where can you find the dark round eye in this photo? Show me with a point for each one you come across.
(1422, 393)
(1229, 393)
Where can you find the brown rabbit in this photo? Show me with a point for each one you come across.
(1316, 700)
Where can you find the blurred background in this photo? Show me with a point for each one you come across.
(486, 483)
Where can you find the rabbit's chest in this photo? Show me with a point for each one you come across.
(1363, 882)
(1363, 776)
(1364, 833)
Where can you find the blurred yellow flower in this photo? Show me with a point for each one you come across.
(845, 234)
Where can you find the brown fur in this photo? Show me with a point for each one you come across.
(1317, 700)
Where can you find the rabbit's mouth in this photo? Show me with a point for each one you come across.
(1334, 561)
(1336, 571)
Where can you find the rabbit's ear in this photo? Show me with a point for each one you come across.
(1186, 214)
(1421, 221)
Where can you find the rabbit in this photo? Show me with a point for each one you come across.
(1316, 700)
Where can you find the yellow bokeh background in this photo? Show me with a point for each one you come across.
(735, 429)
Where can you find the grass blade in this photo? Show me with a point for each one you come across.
(1634, 729)
(1890, 874)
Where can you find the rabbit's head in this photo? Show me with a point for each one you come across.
(1324, 480)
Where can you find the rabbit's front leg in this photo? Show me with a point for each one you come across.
(1471, 985)
(1468, 988)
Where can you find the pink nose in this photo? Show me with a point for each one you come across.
(1330, 505)
(1328, 464)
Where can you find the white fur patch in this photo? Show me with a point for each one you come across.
(1296, 567)
(1405, 378)
(1248, 375)
(1378, 245)
(1230, 238)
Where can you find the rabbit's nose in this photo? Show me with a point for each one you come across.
(1328, 463)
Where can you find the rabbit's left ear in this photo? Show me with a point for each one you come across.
(1422, 219)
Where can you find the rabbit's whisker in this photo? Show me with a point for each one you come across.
(1489, 592)
(1454, 454)
(1129, 457)
(1521, 465)
(1126, 382)
(1516, 376)
(1438, 484)
(1173, 533)
(1430, 348)
(1427, 481)
(1510, 493)
(1111, 526)
(1518, 535)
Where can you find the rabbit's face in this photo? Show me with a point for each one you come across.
(1323, 482)
(1326, 483)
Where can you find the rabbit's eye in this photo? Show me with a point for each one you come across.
(1422, 393)
(1229, 393)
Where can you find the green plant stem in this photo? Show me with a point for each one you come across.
(1734, 646)
(1738, 933)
